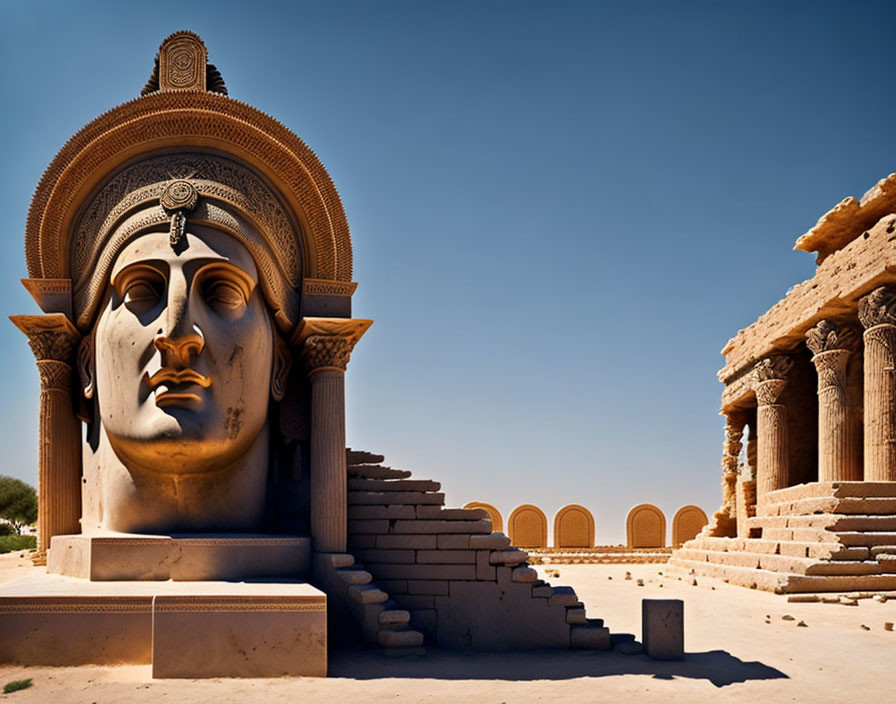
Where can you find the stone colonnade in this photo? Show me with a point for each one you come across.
(54, 341)
(326, 345)
(856, 430)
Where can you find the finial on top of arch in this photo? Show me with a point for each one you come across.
(181, 65)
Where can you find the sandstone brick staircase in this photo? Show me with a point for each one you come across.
(819, 537)
(442, 574)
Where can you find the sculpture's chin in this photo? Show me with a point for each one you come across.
(180, 443)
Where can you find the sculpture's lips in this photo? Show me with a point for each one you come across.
(173, 378)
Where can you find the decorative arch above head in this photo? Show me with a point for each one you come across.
(190, 119)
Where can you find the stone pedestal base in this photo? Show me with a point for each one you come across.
(184, 629)
(181, 558)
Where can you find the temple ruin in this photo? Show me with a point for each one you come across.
(809, 455)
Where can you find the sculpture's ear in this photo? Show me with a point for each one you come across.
(280, 370)
(87, 367)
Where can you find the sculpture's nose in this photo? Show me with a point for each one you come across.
(181, 339)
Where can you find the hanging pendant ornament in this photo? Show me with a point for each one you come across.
(178, 199)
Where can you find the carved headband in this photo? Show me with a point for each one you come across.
(161, 193)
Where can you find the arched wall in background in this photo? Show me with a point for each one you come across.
(528, 527)
(645, 527)
(573, 527)
(687, 523)
(493, 514)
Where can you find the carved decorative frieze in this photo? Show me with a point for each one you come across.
(323, 287)
(878, 307)
(182, 62)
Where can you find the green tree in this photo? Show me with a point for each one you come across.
(18, 502)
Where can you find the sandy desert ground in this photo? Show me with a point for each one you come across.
(739, 649)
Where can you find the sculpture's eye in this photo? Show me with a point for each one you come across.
(225, 288)
(140, 288)
(224, 294)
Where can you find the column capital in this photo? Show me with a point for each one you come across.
(770, 377)
(51, 337)
(828, 336)
(328, 342)
(878, 307)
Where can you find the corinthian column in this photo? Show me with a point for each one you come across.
(327, 346)
(769, 380)
(53, 340)
(838, 425)
(877, 313)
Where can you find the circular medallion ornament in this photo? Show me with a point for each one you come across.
(179, 195)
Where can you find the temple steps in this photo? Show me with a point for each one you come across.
(819, 537)
(461, 584)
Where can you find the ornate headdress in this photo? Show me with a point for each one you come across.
(184, 151)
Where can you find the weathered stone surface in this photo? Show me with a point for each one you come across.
(441, 527)
(492, 541)
(662, 622)
(389, 498)
(428, 586)
(446, 557)
(412, 542)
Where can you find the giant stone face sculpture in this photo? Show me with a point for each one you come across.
(192, 261)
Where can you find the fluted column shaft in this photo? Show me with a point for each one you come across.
(53, 340)
(326, 351)
(877, 312)
(773, 465)
(837, 449)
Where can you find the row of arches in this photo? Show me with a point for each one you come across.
(645, 525)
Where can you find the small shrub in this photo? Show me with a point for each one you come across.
(6, 529)
(16, 685)
(11, 543)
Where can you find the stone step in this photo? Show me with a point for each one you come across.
(406, 638)
(887, 562)
(869, 538)
(783, 563)
(393, 485)
(878, 549)
(355, 576)
(827, 521)
(523, 574)
(353, 456)
(375, 471)
(818, 550)
(590, 637)
(394, 618)
(830, 504)
(832, 489)
(510, 556)
(367, 594)
(438, 513)
(780, 582)
(389, 498)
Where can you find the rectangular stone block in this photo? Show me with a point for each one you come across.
(394, 557)
(242, 636)
(492, 541)
(484, 569)
(413, 542)
(424, 620)
(356, 541)
(428, 586)
(369, 527)
(454, 542)
(415, 601)
(437, 513)
(662, 628)
(182, 558)
(441, 527)
(387, 498)
(423, 571)
(394, 586)
(392, 485)
(369, 512)
(446, 557)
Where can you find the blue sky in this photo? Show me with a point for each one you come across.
(560, 211)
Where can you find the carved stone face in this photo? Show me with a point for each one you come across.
(184, 353)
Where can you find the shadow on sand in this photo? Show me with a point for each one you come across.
(718, 666)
